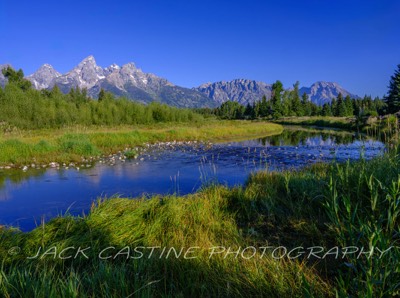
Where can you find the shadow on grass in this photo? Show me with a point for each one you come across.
(202, 220)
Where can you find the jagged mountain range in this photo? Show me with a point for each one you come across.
(240, 90)
(126, 80)
(133, 83)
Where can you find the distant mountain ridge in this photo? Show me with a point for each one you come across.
(131, 82)
(241, 90)
(248, 91)
(323, 92)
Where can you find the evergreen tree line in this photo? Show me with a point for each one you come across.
(285, 103)
(24, 107)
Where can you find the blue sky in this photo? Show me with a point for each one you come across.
(354, 43)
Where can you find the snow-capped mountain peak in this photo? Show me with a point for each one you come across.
(43, 77)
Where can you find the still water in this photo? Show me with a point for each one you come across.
(27, 198)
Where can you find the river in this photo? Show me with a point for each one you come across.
(27, 198)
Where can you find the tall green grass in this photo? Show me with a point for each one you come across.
(203, 220)
(352, 204)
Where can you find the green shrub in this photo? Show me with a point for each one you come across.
(77, 144)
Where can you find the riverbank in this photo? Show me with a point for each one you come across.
(21, 149)
(347, 123)
(385, 128)
(214, 242)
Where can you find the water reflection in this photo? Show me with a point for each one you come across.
(297, 136)
(26, 197)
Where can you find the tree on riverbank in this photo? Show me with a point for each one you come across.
(296, 107)
(393, 97)
(276, 99)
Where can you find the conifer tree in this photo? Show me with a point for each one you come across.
(348, 106)
(296, 107)
(264, 107)
(307, 106)
(326, 110)
(248, 112)
(102, 94)
(393, 98)
(17, 77)
(276, 99)
(340, 106)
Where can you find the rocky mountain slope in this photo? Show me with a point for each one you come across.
(126, 80)
(323, 92)
(43, 77)
(240, 90)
